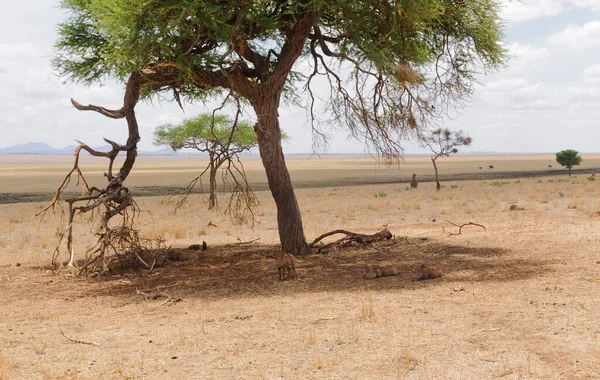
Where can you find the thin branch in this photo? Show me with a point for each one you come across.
(80, 341)
(460, 227)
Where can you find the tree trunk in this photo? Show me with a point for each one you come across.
(569, 170)
(437, 186)
(212, 198)
(289, 220)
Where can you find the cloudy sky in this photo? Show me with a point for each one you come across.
(547, 98)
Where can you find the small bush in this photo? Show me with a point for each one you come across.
(381, 194)
(499, 183)
(591, 178)
(454, 186)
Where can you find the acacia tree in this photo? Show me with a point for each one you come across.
(443, 143)
(568, 158)
(219, 136)
(391, 65)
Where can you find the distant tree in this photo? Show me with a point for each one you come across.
(568, 158)
(219, 136)
(443, 143)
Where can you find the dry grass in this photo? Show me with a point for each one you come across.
(517, 301)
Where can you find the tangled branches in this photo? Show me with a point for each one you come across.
(114, 199)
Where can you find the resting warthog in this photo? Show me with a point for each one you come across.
(427, 273)
(285, 263)
(374, 271)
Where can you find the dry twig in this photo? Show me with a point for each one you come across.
(81, 341)
(460, 227)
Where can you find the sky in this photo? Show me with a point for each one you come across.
(545, 100)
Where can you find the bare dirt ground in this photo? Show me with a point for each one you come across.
(520, 299)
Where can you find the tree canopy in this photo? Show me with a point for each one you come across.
(204, 130)
(568, 158)
(407, 60)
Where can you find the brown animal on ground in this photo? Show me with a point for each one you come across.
(516, 208)
(428, 273)
(481, 167)
(198, 247)
(413, 182)
(285, 263)
(549, 166)
(374, 271)
(491, 166)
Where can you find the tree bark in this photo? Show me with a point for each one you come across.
(437, 186)
(268, 133)
(212, 202)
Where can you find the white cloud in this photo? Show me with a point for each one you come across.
(517, 11)
(16, 50)
(576, 36)
(592, 71)
(506, 84)
(593, 5)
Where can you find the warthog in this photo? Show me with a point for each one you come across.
(427, 272)
(413, 182)
(374, 271)
(285, 263)
(491, 166)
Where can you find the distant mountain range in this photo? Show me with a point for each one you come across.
(43, 148)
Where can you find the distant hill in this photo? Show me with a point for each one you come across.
(43, 148)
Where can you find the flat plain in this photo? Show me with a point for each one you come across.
(518, 299)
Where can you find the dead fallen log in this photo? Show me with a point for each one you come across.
(350, 238)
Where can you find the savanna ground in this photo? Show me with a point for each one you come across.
(520, 299)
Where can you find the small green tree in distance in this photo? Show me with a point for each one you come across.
(219, 136)
(443, 143)
(568, 158)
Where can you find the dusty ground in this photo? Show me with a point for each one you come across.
(520, 299)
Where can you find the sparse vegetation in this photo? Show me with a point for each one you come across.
(233, 298)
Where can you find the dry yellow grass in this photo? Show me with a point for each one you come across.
(518, 300)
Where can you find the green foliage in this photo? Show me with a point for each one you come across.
(568, 158)
(591, 178)
(395, 41)
(205, 133)
(499, 183)
(381, 194)
(454, 186)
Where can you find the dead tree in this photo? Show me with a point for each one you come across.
(114, 199)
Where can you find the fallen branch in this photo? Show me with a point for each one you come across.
(80, 341)
(248, 242)
(482, 330)
(460, 227)
(351, 237)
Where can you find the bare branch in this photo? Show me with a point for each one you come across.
(460, 227)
